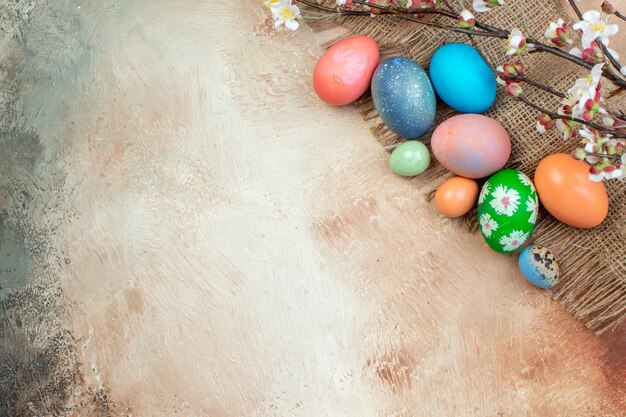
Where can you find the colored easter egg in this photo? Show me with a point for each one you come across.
(404, 97)
(507, 210)
(566, 191)
(539, 266)
(471, 145)
(409, 158)
(345, 70)
(456, 196)
(462, 79)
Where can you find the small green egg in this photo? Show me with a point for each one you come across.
(409, 158)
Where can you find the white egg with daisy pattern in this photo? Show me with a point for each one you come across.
(507, 210)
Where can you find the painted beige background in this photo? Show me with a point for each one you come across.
(234, 247)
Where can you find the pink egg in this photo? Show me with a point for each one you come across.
(471, 145)
(345, 70)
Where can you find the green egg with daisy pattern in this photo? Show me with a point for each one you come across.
(507, 210)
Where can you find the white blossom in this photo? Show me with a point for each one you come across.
(595, 26)
(286, 14)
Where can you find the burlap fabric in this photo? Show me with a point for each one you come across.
(592, 286)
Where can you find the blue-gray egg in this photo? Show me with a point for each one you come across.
(462, 79)
(539, 266)
(404, 97)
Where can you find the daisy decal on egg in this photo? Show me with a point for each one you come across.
(484, 192)
(532, 206)
(505, 200)
(513, 241)
(487, 224)
(525, 180)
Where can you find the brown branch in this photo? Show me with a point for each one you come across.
(618, 14)
(606, 71)
(536, 84)
(516, 77)
(553, 115)
(604, 155)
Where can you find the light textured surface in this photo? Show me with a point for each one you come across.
(202, 236)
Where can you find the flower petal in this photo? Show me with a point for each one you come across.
(292, 24)
(591, 15)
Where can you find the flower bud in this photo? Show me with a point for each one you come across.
(376, 11)
(516, 42)
(607, 7)
(515, 69)
(514, 90)
(579, 154)
(466, 19)
(593, 54)
(544, 123)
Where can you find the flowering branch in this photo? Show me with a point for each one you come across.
(556, 116)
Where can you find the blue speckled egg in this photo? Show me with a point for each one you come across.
(404, 97)
(539, 266)
(462, 79)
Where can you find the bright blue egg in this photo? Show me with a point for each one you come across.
(539, 267)
(462, 79)
(404, 97)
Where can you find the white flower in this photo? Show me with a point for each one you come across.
(486, 5)
(487, 224)
(595, 26)
(270, 3)
(586, 88)
(513, 241)
(505, 200)
(623, 70)
(525, 180)
(484, 192)
(533, 207)
(516, 42)
(286, 14)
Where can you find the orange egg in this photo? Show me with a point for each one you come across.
(456, 196)
(566, 191)
(345, 70)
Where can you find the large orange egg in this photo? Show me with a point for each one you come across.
(566, 191)
(456, 196)
(345, 70)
